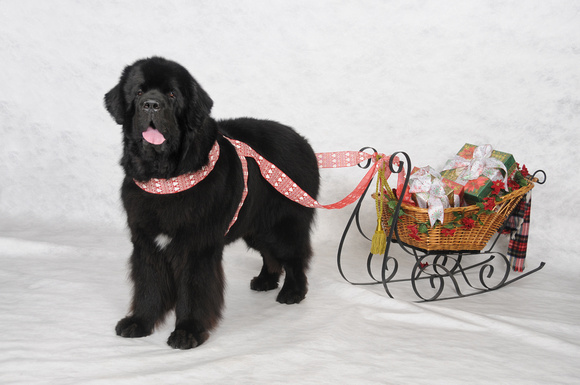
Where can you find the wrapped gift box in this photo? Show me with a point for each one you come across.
(457, 190)
(452, 174)
(421, 198)
(478, 173)
(507, 159)
(475, 190)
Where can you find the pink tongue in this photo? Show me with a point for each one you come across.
(153, 136)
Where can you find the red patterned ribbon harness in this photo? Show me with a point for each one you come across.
(276, 177)
(182, 182)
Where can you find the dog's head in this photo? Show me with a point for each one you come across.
(165, 116)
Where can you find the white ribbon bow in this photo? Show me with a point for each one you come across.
(427, 182)
(481, 164)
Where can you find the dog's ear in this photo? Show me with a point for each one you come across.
(206, 103)
(201, 100)
(115, 104)
(199, 107)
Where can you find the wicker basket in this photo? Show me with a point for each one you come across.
(473, 239)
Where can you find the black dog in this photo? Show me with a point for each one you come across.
(178, 239)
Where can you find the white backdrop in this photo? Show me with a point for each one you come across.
(421, 77)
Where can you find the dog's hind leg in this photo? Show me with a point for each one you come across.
(271, 269)
(269, 275)
(295, 282)
(293, 251)
(286, 246)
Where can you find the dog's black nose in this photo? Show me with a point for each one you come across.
(151, 105)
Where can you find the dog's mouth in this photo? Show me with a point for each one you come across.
(152, 135)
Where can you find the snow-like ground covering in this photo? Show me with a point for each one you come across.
(421, 77)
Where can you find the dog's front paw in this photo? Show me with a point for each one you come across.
(132, 327)
(185, 339)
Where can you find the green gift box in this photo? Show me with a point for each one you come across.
(476, 190)
(507, 159)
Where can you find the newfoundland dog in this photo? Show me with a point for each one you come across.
(179, 237)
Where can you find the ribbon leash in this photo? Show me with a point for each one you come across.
(276, 177)
(245, 174)
(287, 187)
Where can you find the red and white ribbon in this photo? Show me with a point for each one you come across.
(286, 186)
(181, 182)
(276, 177)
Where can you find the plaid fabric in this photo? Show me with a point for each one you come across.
(518, 227)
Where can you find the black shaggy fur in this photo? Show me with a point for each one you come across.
(185, 272)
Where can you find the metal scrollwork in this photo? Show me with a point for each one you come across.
(436, 275)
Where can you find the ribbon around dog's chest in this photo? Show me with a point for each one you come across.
(181, 182)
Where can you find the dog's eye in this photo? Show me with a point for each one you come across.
(140, 92)
(172, 94)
